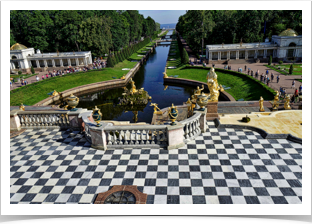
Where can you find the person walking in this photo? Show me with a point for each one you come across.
(300, 89)
(47, 76)
(248, 71)
(272, 76)
(37, 78)
(277, 78)
(293, 84)
(25, 82)
(251, 73)
(268, 81)
(42, 77)
(261, 77)
(245, 68)
(11, 83)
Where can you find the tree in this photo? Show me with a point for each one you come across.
(32, 70)
(12, 41)
(291, 69)
(95, 35)
(185, 58)
(110, 61)
(270, 60)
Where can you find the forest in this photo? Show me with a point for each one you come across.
(98, 31)
(221, 26)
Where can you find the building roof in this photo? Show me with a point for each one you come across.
(289, 32)
(18, 46)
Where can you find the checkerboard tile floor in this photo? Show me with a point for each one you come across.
(222, 166)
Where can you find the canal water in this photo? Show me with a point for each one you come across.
(150, 77)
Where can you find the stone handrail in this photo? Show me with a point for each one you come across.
(43, 119)
(191, 127)
(87, 124)
(138, 135)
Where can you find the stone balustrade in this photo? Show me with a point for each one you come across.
(191, 127)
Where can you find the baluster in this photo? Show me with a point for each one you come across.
(198, 126)
(158, 137)
(115, 138)
(187, 131)
(126, 137)
(28, 120)
(120, 137)
(147, 137)
(191, 129)
(142, 140)
(109, 139)
(136, 136)
(131, 137)
(152, 137)
(22, 120)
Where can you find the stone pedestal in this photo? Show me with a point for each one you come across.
(74, 121)
(175, 136)
(15, 124)
(202, 120)
(98, 138)
(212, 111)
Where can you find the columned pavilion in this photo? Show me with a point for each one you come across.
(22, 58)
(286, 46)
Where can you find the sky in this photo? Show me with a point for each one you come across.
(163, 16)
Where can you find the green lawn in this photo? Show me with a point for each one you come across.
(241, 86)
(284, 69)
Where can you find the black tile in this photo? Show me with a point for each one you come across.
(173, 199)
(229, 175)
(173, 182)
(229, 146)
(246, 162)
(183, 162)
(206, 175)
(216, 168)
(140, 175)
(52, 168)
(281, 151)
(131, 168)
(97, 157)
(199, 200)
(196, 183)
(279, 200)
(261, 169)
(162, 174)
(105, 182)
(152, 168)
(235, 191)
(238, 168)
(191, 146)
(193, 156)
(275, 156)
(68, 189)
(127, 182)
(185, 191)
(286, 191)
(247, 146)
(161, 190)
(210, 191)
(83, 182)
(111, 168)
(269, 183)
(220, 183)
(46, 189)
(37, 175)
(32, 168)
(290, 162)
(268, 162)
(209, 146)
(182, 151)
(294, 183)
(225, 162)
(17, 174)
(261, 191)
(173, 168)
(24, 189)
(157, 156)
(296, 156)
(253, 175)
(254, 156)
(298, 175)
(244, 183)
(162, 162)
(91, 168)
(194, 168)
(225, 200)
(28, 197)
(277, 175)
(74, 198)
(150, 199)
(199, 142)
(14, 168)
(221, 151)
(201, 151)
(213, 156)
(145, 151)
(57, 175)
(77, 175)
(119, 174)
(184, 175)
(252, 200)
(134, 157)
(233, 156)
(71, 168)
(41, 182)
(284, 168)
(150, 182)
(90, 190)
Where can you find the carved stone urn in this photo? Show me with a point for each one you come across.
(173, 114)
(97, 116)
(202, 101)
(72, 101)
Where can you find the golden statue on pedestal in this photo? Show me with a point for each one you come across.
(55, 93)
(22, 107)
(275, 102)
(197, 91)
(286, 104)
(133, 88)
(165, 75)
(261, 104)
(155, 105)
(213, 86)
(123, 77)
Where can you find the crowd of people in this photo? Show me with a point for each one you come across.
(98, 64)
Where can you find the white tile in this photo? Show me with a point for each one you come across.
(62, 198)
(293, 200)
(185, 182)
(218, 175)
(198, 191)
(221, 191)
(232, 183)
(173, 191)
(161, 182)
(40, 197)
(238, 200)
(212, 200)
(265, 200)
(282, 183)
(257, 183)
(274, 191)
(248, 191)
(149, 190)
(160, 199)
(186, 199)
(86, 198)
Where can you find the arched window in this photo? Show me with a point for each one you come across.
(290, 52)
(14, 57)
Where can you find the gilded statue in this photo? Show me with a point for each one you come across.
(133, 88)
(286, 104)
(213, 86)
(22, 107)
(275, 102)
(155, 105)
(165, 75)
(198, 90)
(261, 104)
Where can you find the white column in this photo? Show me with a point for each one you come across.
(256, 52)
(85, 61)
(29, 64)
(237, 55)
(53, 63)
(69, 62)
(45, 63)
(246, 54)
(210, 55)
(37, 63)
(61, 63)
(12, 65)
(265, 53)
(77, 62)
(228, 55)
(219, 55)
(90, 59)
